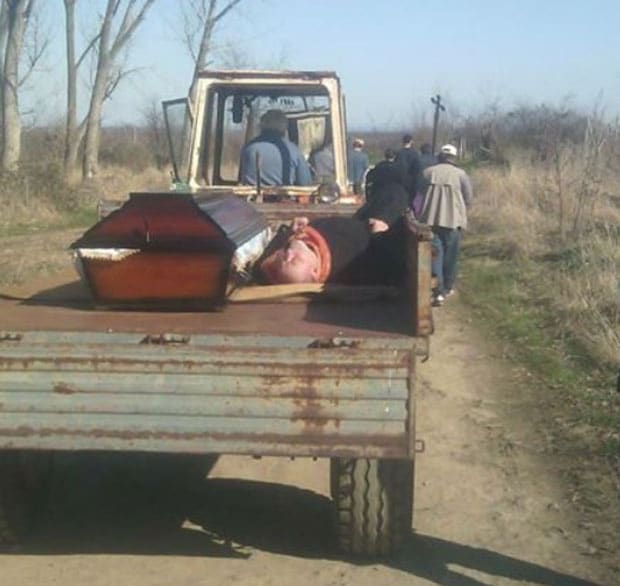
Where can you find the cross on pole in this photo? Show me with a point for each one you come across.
(438, 107)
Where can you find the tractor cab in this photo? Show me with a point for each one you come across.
(208, 130)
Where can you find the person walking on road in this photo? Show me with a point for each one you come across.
(448, 195)
(427, 157)
(357, 165)
(408, 159)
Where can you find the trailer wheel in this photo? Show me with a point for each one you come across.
(373, 502)
(24, 486)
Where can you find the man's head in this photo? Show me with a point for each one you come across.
(358, 143)
(274, 120)
(390, 155)
(407, 140)
(426, 149)
(448, 152)
(294, 263)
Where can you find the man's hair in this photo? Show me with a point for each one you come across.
(407, 138)
(358, 142)
(426, 149)
(274, 120)
(390, 154)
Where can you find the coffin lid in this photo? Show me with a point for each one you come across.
(176, 221)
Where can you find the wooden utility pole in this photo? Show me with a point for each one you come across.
(438, 107)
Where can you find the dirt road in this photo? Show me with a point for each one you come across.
(489, 509)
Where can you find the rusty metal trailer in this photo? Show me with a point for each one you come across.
(318, 377)
(315, 377)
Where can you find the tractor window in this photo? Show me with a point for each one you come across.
(178, 128)
(233, 119)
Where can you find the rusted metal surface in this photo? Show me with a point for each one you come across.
(419, 275)
(68, 306)
(240, 74)
(278, 395)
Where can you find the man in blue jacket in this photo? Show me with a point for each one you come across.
(272, 157)
(357, 165)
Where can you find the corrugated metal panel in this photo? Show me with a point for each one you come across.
(238, 394)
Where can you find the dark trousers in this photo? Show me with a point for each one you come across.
(446, 243)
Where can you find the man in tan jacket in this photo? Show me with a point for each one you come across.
(448, 194)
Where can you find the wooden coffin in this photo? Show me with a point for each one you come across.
(166, 250)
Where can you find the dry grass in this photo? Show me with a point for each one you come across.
(40, 219)
(22, 202)
(507, 209)
(119, 182)
(35, 256)
(42, 198)
(577, 271)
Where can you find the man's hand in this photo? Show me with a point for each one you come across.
(376, 226)
(300, 223)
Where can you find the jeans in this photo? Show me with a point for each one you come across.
(445, 246)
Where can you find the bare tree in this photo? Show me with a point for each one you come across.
(200, 17)
(107, 73)
(74, 132)
(14, 18)
(3, 36)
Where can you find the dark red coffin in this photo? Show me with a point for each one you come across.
(166, 250)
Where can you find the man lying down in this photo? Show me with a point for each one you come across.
(367, 248)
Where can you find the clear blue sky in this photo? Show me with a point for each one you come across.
(392, 55)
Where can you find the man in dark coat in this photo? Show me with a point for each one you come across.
(367, 248)
(408, 160)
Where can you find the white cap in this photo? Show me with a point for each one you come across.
(449, 149)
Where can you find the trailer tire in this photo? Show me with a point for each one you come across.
(373, 501)
(24, 487)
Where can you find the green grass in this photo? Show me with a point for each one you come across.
(509, 300)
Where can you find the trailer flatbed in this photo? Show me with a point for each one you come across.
(64, 304)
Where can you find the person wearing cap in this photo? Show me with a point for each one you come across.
(272, 157)
(447, 196)
(357, 165)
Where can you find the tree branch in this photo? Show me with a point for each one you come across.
(87, 50)
(116, 78)
(129, 26)
(225, 10)
(35, 49)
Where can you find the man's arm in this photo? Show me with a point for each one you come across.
(413, 172)
(466, 189)
(303, 175)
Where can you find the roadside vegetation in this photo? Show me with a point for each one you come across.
(541, 272)
(40, 197)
